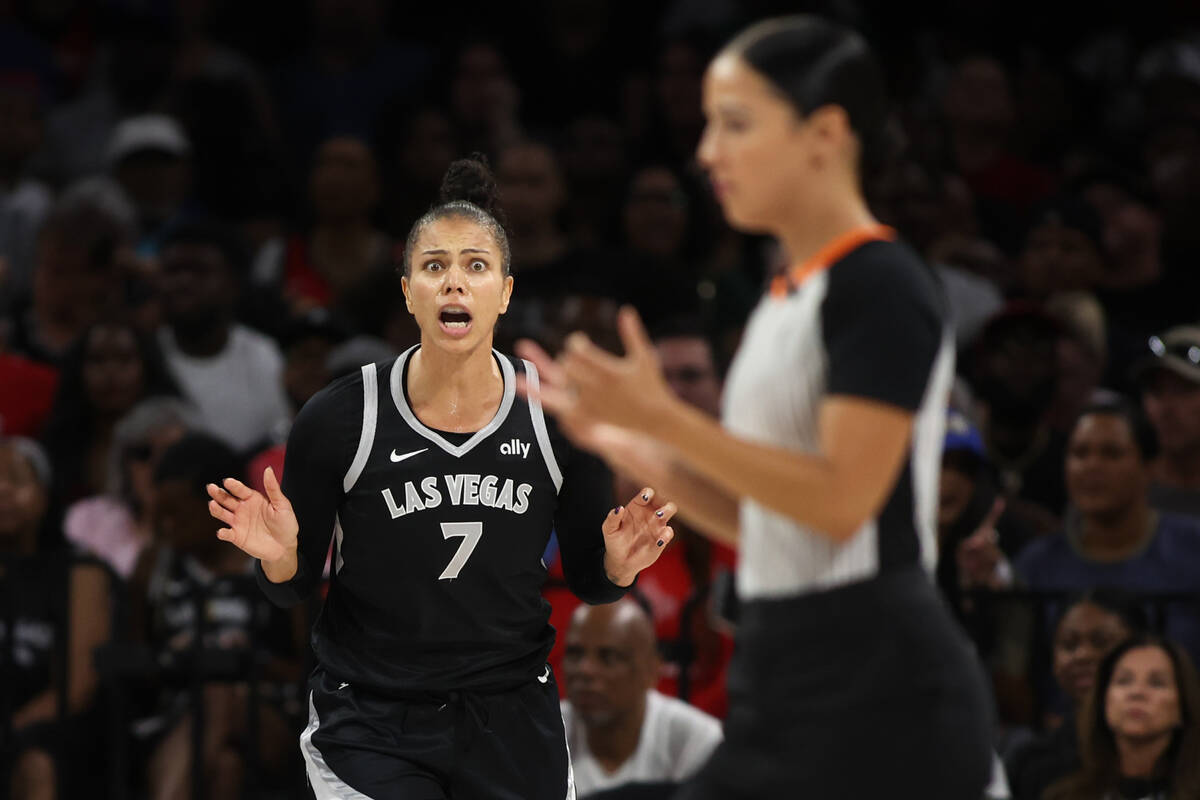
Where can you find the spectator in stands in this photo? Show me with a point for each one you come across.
(231, 373)
(77, 277)
(46, 758)
(595, 162)
(351, 71)
(415, 145)
(149, 156)
(186, 558)
(1169, 378)
(1062, 250)
(484, 99)
(1140, 733)
(1093, 624)
(116, 525)
(619, 729)
(343, 263)
(24, 200)
(1014, 371)
(1115, 538)
(111, 368)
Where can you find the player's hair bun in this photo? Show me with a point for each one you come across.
(471, 180)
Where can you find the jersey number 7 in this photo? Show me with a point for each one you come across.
(470, 532)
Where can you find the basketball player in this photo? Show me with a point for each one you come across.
(850, 679)
(440, 488)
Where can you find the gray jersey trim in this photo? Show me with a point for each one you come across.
(325, 784)
(506, 403)
(539, 426)
(370, 417)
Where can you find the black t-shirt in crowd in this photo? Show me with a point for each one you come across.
(436, 572)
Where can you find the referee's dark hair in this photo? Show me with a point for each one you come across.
(469, 190)
(813, 62)
(1142, 433)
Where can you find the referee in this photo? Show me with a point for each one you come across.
(850, 679)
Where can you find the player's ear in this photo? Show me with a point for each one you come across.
(506, 293)
(407, 295)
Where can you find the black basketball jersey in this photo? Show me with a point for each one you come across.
(436, 568)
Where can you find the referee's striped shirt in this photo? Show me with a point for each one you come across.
(864, 318)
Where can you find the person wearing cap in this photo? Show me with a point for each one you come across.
(150, 157)
(1169, 379)
(44, 741)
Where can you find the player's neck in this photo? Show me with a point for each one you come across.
(614, 744)
(457, 392)
(811, 229)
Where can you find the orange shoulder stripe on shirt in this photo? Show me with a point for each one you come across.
(829, 254)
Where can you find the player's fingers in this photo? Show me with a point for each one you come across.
(664, 538)
(633, 333)
(666, 512)
(219, 512)
(238, 489)
(226, 535)
(222, 497)
(612, 520)
(271, 484)
(643, 497)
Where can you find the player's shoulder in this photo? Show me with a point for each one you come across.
(343, 394)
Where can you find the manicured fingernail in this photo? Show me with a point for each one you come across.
(660, 542)
(645, 497)
(658, 513)
(620, 509)
(616, 510)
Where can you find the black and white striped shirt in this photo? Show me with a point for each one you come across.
(868, 321)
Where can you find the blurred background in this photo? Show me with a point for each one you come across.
(200, 208)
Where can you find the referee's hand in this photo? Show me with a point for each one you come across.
(635, 535)
(264, 527)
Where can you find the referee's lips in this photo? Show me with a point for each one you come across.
(455, 320)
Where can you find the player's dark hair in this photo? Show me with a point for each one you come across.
(812, 63)
(469, 191)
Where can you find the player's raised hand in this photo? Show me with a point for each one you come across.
(635, 535)
(264, 527)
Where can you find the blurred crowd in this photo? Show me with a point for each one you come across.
(201, 203)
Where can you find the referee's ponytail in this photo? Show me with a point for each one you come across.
(469, 190)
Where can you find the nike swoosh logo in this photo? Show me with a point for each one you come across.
(396, 458)
(545, 676)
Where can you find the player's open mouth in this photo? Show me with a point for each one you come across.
(455, 320)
